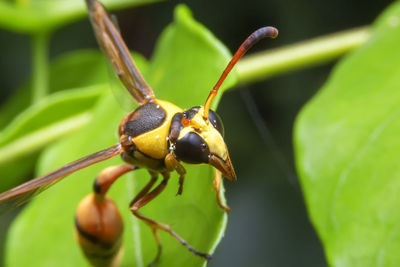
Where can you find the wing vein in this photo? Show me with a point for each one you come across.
(20, 194)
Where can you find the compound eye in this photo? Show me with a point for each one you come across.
(192, 149)
(216, 121)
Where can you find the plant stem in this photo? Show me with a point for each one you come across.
(40, 57)
(305, 54)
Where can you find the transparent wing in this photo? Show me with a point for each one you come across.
(117, 53)
(123, 97)
(117, 88)
(22, 193)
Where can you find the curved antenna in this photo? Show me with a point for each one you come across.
(256, 36)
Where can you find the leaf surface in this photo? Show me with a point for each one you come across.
(39, 125)
(348, 150)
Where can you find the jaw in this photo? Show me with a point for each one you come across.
(224, 166)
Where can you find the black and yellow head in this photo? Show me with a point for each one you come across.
(200, 140)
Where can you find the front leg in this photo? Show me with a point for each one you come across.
(217, 186)
(173, 164)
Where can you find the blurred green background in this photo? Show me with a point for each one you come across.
(268, 225)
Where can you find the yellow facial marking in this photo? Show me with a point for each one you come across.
(206, 130)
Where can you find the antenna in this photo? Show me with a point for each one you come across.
(256, 36)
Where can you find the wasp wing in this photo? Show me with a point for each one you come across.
(118, 54)
(22, 193)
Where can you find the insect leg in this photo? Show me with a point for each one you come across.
(181, 181)
(98, 223)
(217, 186)
(173, 164)
(135, 206)
(145, 189)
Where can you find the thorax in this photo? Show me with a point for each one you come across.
(148, 126)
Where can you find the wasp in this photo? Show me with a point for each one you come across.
(158, 136)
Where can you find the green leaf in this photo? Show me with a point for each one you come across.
(46, 225)
(16, 103)
(66, 70)
(65, 73)
(54, 117)
(348, 150)
(33, 16)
